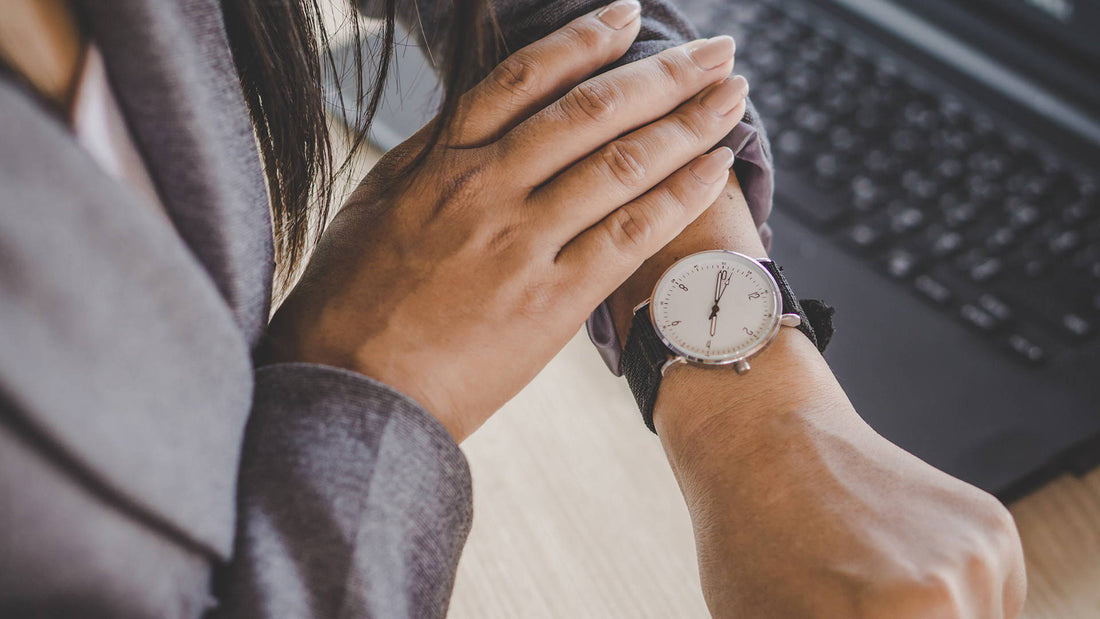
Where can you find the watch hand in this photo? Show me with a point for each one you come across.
(723, 281)
(713, 323)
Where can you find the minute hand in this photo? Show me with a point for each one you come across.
(723, 282)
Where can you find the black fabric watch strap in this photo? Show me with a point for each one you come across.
(645, 354)
(790, 302)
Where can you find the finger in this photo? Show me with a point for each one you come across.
(607, 253)
(631, 165)
(604, 107)
(536, 75)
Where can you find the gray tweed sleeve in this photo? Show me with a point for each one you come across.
(353, 502)
(522, 22)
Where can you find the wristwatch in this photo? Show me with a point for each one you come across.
(714, 308)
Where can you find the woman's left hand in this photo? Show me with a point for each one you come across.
(457, 283)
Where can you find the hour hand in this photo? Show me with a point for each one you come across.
(713, 323)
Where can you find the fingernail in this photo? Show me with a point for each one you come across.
(713, 52)
(724, 96)
(620, 13)
(711, 167)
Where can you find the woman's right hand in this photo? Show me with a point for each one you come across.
(458, 282)
(802, 510)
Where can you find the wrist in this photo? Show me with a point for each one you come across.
(716, 418)
(726, 224)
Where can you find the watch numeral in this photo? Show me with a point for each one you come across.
(749, 331)
(754, 295)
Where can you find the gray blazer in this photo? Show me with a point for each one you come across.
(147, 468)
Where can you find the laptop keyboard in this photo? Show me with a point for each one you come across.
(969, 214)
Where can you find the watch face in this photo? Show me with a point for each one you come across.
(716, 307)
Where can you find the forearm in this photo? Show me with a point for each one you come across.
(747, 450)
(799, 508)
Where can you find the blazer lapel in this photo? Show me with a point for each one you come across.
(173, 74)
(118, 349)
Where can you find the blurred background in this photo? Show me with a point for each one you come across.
(936, 180)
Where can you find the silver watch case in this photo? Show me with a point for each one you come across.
(740, 363)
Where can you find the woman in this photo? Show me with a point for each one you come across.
(166, 452)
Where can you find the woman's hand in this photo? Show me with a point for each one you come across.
(802, 510)
(457, 283)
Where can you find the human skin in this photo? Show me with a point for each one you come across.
(457, 282)
(799, 508)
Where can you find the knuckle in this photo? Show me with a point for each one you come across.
(583, 37)
(623, 161)
(682, 195)
(941, 591)
(693, 122)
(461, 189)
(593, 100)
(933, 591)
(671, 67)
(518, 73)
(509, 239)
(630, 228)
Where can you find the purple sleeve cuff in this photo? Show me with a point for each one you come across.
(754, 172)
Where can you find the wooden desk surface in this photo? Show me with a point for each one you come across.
(576, 514)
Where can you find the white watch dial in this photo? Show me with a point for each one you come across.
(716, 307)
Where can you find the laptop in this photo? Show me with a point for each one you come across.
(938, 181)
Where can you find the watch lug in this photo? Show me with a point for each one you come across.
(741, 366)
(672, 362)
(640, 306)
(790, 320)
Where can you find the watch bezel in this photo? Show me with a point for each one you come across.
(777, 312)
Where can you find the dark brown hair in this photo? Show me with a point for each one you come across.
(282, 52)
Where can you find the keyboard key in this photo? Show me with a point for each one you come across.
(900, 264)
(866, 194)
(977, 317)
(919, 185)
(932, 289)
(790, 145)
(843, 140)
(811, 119)
(1077, 325)
(986, 270)
(1064, 242)
(1078, 212)
(988, 164)
(1001, 239)
(882, 162)
(949, 169)
(995, 307)
(956, 211)
(839, 101)
(906, 141)
(979, 266)
(864, 236)
(946, 244)
(904, 218)
(828, 170)
(1023, 217)
(1027, 349)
